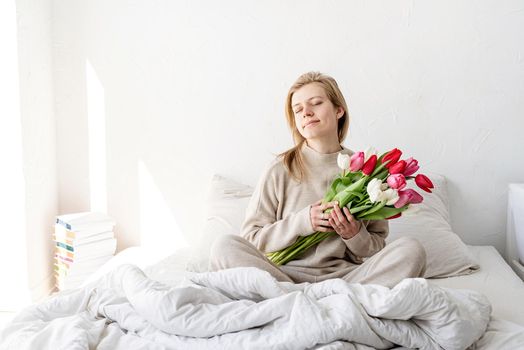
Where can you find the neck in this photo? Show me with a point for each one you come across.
(320, 160)
(324, 147)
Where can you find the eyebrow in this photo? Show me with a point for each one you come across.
(306, 100)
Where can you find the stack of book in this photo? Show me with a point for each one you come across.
(84, 242)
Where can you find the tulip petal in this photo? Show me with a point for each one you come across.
(424, 182)
(369, 166)
(392, 157)
(398, 167)
(343, 161)
(356, 161)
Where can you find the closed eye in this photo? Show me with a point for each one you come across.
(314, 104)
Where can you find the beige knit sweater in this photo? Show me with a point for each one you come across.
(279, 212)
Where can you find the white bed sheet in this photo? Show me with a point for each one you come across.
(496, 280)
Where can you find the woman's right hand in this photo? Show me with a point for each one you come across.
(319, 219)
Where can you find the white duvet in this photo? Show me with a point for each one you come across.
(245, 308)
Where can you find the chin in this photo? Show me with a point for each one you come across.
(313, 134)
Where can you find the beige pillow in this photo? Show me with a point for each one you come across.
(446, 254)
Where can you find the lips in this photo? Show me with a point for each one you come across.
(311, 122)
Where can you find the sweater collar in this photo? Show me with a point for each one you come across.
(316, 158)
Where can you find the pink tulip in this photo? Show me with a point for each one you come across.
(392, 157)
(411, 166)
(396, 181)
(369, 166)
(424, 182)
(407, 197)
(356, 161)
(398, 167)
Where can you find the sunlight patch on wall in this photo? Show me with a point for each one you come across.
(13, 253)
(97, 140)
(158, 227)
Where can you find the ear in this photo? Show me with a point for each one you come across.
(340, 112)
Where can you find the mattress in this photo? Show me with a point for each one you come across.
(496, 280)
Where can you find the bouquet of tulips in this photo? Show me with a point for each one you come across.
(371, 187)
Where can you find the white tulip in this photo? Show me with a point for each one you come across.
(378, 193)
(374, 191)
(390, 196)
(369, 152)
(343, 161)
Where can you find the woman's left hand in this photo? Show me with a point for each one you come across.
(344, 223)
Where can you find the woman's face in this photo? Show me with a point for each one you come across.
(315, 116)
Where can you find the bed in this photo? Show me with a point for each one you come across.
(496, 280)
(123, 305)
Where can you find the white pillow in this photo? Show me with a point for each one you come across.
(149, 260)
(446, 254)
(226, 208)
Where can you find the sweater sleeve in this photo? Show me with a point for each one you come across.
(369, 240)
(261, 225)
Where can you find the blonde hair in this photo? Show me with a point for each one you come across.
(292, 158)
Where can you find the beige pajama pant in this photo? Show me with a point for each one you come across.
(402, 258)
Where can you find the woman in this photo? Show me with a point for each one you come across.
(286, 204)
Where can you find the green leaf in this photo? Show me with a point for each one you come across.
(340, 187)
(353, 176)
(383, 213)
(377, 170)
(374, 208)
(335, 183)
(329, 195)
(357, 185)
(345, 196)
(347, 181)
(379, 160)
(383, 174)
(359, 208)
(359, 195)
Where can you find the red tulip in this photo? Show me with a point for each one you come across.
(396, 181)
(392, 157)
(394, 216)
(424, 182)
(356, 161)
(369, 166)
(407, 197)
(398, 167)
(411, 166)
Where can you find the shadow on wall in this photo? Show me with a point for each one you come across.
(119, 180)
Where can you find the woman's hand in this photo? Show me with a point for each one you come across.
(344, 223)
(319, 219)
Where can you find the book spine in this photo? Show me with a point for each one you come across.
(86, 255)
(65, 246)
(63, 223)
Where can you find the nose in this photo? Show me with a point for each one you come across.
(307, 111)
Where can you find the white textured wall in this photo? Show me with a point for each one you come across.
(13, 262)
(38, 141)
(197, 87)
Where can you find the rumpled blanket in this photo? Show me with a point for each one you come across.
(246, 308)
